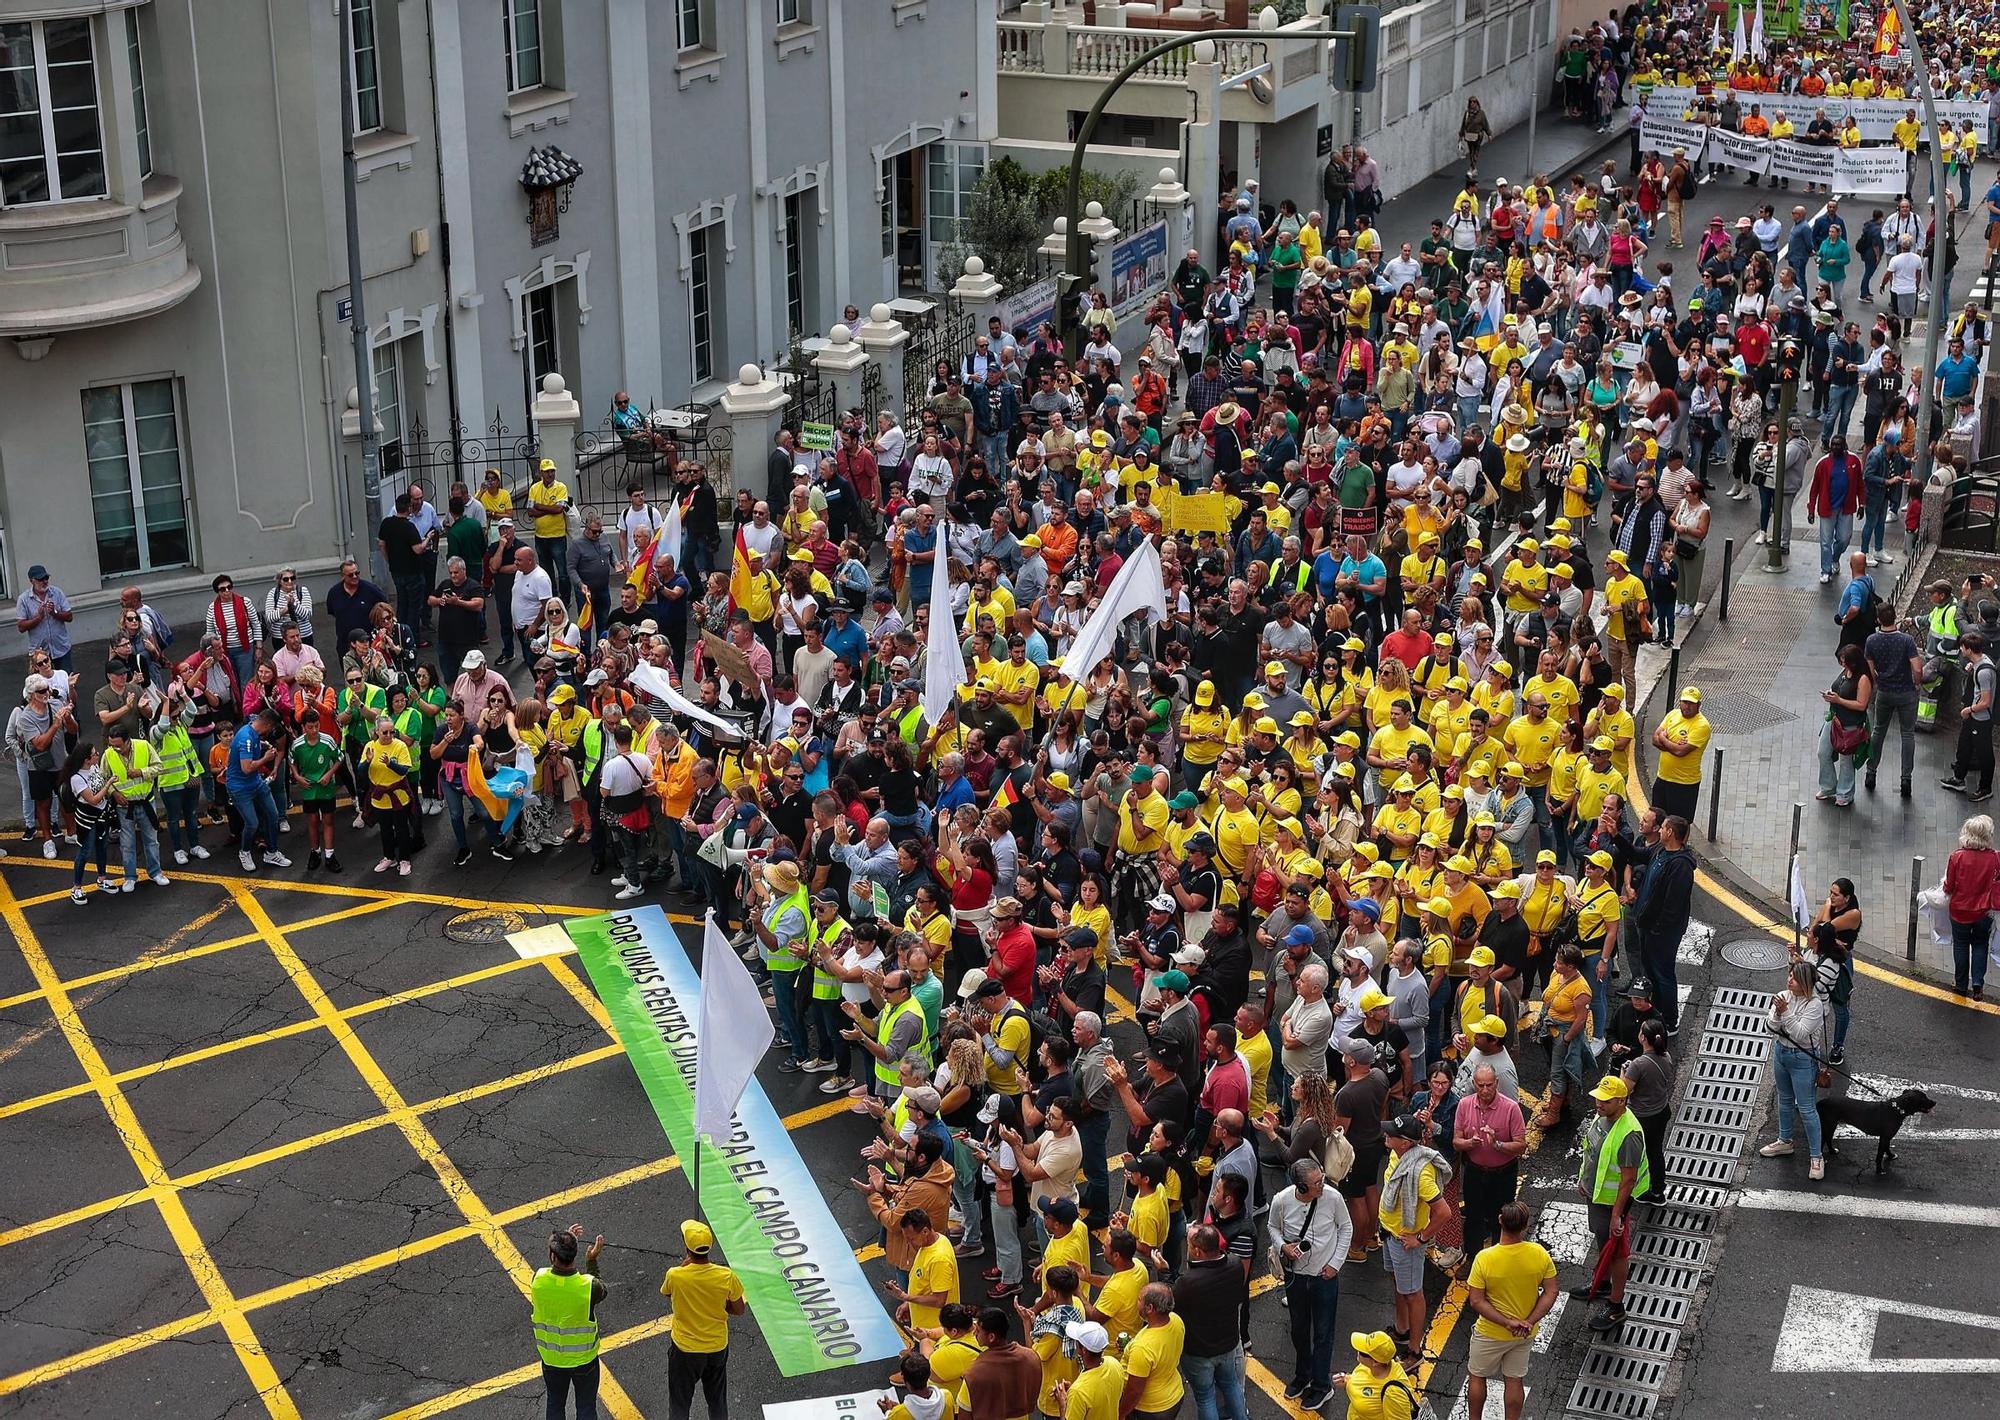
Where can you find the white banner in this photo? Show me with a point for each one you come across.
(1749, 156)
(1802, 162)
(1875, 169)
(1662, 136)
(1877, 117)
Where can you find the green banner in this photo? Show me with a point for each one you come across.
(810, 1298)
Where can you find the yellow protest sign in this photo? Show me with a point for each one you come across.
(1200, 512)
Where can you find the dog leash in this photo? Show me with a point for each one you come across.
(1820, 1062)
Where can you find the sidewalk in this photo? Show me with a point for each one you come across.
(1761, 674)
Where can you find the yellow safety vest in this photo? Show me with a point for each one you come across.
(177, 757)
(565, 1331)
(788, 960)
(888, 1071)
(1604, 1188)
(129, 782)
(826, 986)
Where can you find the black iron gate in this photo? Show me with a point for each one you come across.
(873, 394)
(456, 454)
(942, 338)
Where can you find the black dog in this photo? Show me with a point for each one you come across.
(1880, 1118)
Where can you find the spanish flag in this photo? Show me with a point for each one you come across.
(740, 575)
(586, 614)
(1004, 798)
(642, 565)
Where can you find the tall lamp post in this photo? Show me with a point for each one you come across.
(1076, 257)
(1941, 217)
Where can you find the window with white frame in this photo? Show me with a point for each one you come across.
(135, 61)
(134, 450)
(888, 209)
(952, 170)
(691, 23)
(389, 413)
(524, 44)
(704, 300)
(365, 57)
(794, 12)
(51, 139)
(795, 263)
(544, 345)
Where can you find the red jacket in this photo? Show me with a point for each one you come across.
(1819, 498)
(1968, 882)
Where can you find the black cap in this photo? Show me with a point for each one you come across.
(1640, 986)
(1081, 938)
(1404, 1126)
(992, 986)
(1060, 1210)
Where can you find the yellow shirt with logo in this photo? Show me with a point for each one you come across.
(1532, 745)
(933, 1269)
(1009, 678)
(1155, 1353)
(1135, 816)
(550, 494)
(1684, 768)
(701, 1294)
(1524, 583)
(1559, 690)
(1624, 596)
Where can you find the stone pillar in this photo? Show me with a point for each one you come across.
(555, 414)
(1204, 149)
(884, 337)
(1103, 232)
(1110, 15)
(755, 406)
(842, 361)
(1175, 203)
(978, 290)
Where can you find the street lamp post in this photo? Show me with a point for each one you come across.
(1076, 256)
(1941, 218)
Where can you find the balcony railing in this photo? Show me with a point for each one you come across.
(1098, 52)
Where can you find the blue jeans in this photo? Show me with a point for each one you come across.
(1969, 944)
(1208, 1376)
(260, 816)
(552, 555)
(136, 831)
(1839, 408)
(1835, 532)
(1796, 1071)
(1836, 771)
(1572, 1058)
(1874, 523)
(454, 807)
(1600, 991)
(1901, 705)
(1315, 1308)
(785, 994)
(1095, 1131)
(179, 806)
(90, 842)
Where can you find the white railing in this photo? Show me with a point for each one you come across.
(1100, 53)
(1020, 47)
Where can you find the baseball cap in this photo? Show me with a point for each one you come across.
(1481, 956)
(1611, 1087)
(1175, 981)
(969, 985)
(1162, 902)
(1490, 1025)
(1299, 936)
(1373, 999)
(1641, 986)
(696, 1235)
(1404, 1126)
(1061, 1210)
(1183, 800)
(1089, 1335)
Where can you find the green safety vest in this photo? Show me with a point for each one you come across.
(177, 757)
(888, 1071)
(787, 960)
(1944, 621)
(413, 724)
(565, 1331)
(911, 725)
(826, 986)
(1604, 1188)
(592, 739)
(128, 780)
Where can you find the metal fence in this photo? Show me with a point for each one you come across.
(609, 460)
(939, 341)
(457, 454)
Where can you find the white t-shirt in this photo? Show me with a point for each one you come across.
(762, 540)
(853, 960)
(531, 590)
(638, 524)
(1906, 269)
(1405, 479)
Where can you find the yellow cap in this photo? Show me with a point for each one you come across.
(1438, 907)
(1058, 780)
(1512, 770)
(1274, 668)
(1528, 544)
(1303, 717)
(1404, 785)
(1204, 694)
(1547, 855)
(1604, 744)
(1509, 889)
(1253, 700)
(1611, 1087)
(1373, 999)
(1491, 1025)
(696, 1236)
(1485, 821)
(1481, 956)
(1375, 1345)
(1600, 859)
(1617, 558)
(1311, 868)
(1691, 695)
(1265, 726)
(1458, 863)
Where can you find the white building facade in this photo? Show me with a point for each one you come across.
(173, 274)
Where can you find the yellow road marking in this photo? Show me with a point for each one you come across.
(208, 1277)
(1761, 920)
(413, 1129)
(284, 1032)
(521, 1375)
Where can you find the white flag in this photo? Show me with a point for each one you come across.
(1802, 911)
(1137, 587)
(734, 1032)
(1757, 32)
(1739, 44)
(944, 665)
(651, 679)
(668, 543)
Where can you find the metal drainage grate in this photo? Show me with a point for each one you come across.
(1735, 1022)
(1715, 1093)
(1610, 1402)
(1720, 1046)
(1719, 1142)
(1676, 1218)
(1759, 953)
(1649, 1340)
(1677, 1248)
(1711, 1068)
(1657, 1276)
(1624, 1369)
(1662, 1307)
(1735, 998)
(1701, 1168)
(1678, 1194)
(1735, 713)
(1715, 1116)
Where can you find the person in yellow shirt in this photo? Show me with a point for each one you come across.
(1236, 830)
(1597, 779)
(1015, 681)
(952, 1351)
(1098, 1390)
(1492, 861)
(1204, 731)
(1495, 694)
(1148, 1219)
(1117, 1304)
(1378, 1388)
(1532, 740)
(1625, 625)
(1478, 748)
(1389, 746)
(705, 1295)
(1511, 1288)
(1413, 1209)
(1399, 821)
(933, 1272)
(1304, 744)
(1611, 720)
(1566, 1021)
(1558, 689)
(1524, 579)
(498, 502)
(1906, 130)
(1451, 717)
(549, 504)
(1683, 734)
(925, 1398)
(1153, 1384)
(1069, 1243)
(1416, 882)
(1850, 135)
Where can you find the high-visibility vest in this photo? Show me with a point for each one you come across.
(565, 1331)
(788, 959)
(889, 1071)
(1604, 1188)
(911, 724)
(177, 757)
(592, 739)
(1944, 621)
(412, 725)
(362, 726)
(826, 986)
(128, 778)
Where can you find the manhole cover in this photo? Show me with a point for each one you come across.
(1734, 713)
(484, 926)
(1756, 953)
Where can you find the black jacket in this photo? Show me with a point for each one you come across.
(1666, 895)
(1208, 1297)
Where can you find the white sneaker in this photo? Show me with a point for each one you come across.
(277, 860)
(161, 880)
(628, 892)
(129, 885)
(360, 821)
(76, 896)
(619, 881)
(199, 852)
(1825, 577)
(249, 863)
(180, 857)
(284, 825)
(1816, 1169)
(433, 808)
(48, 848)
(1776, 1149)
(1759, 539)
(403, 869)
(382, 865)
(1873, 560)
(1883, 559)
